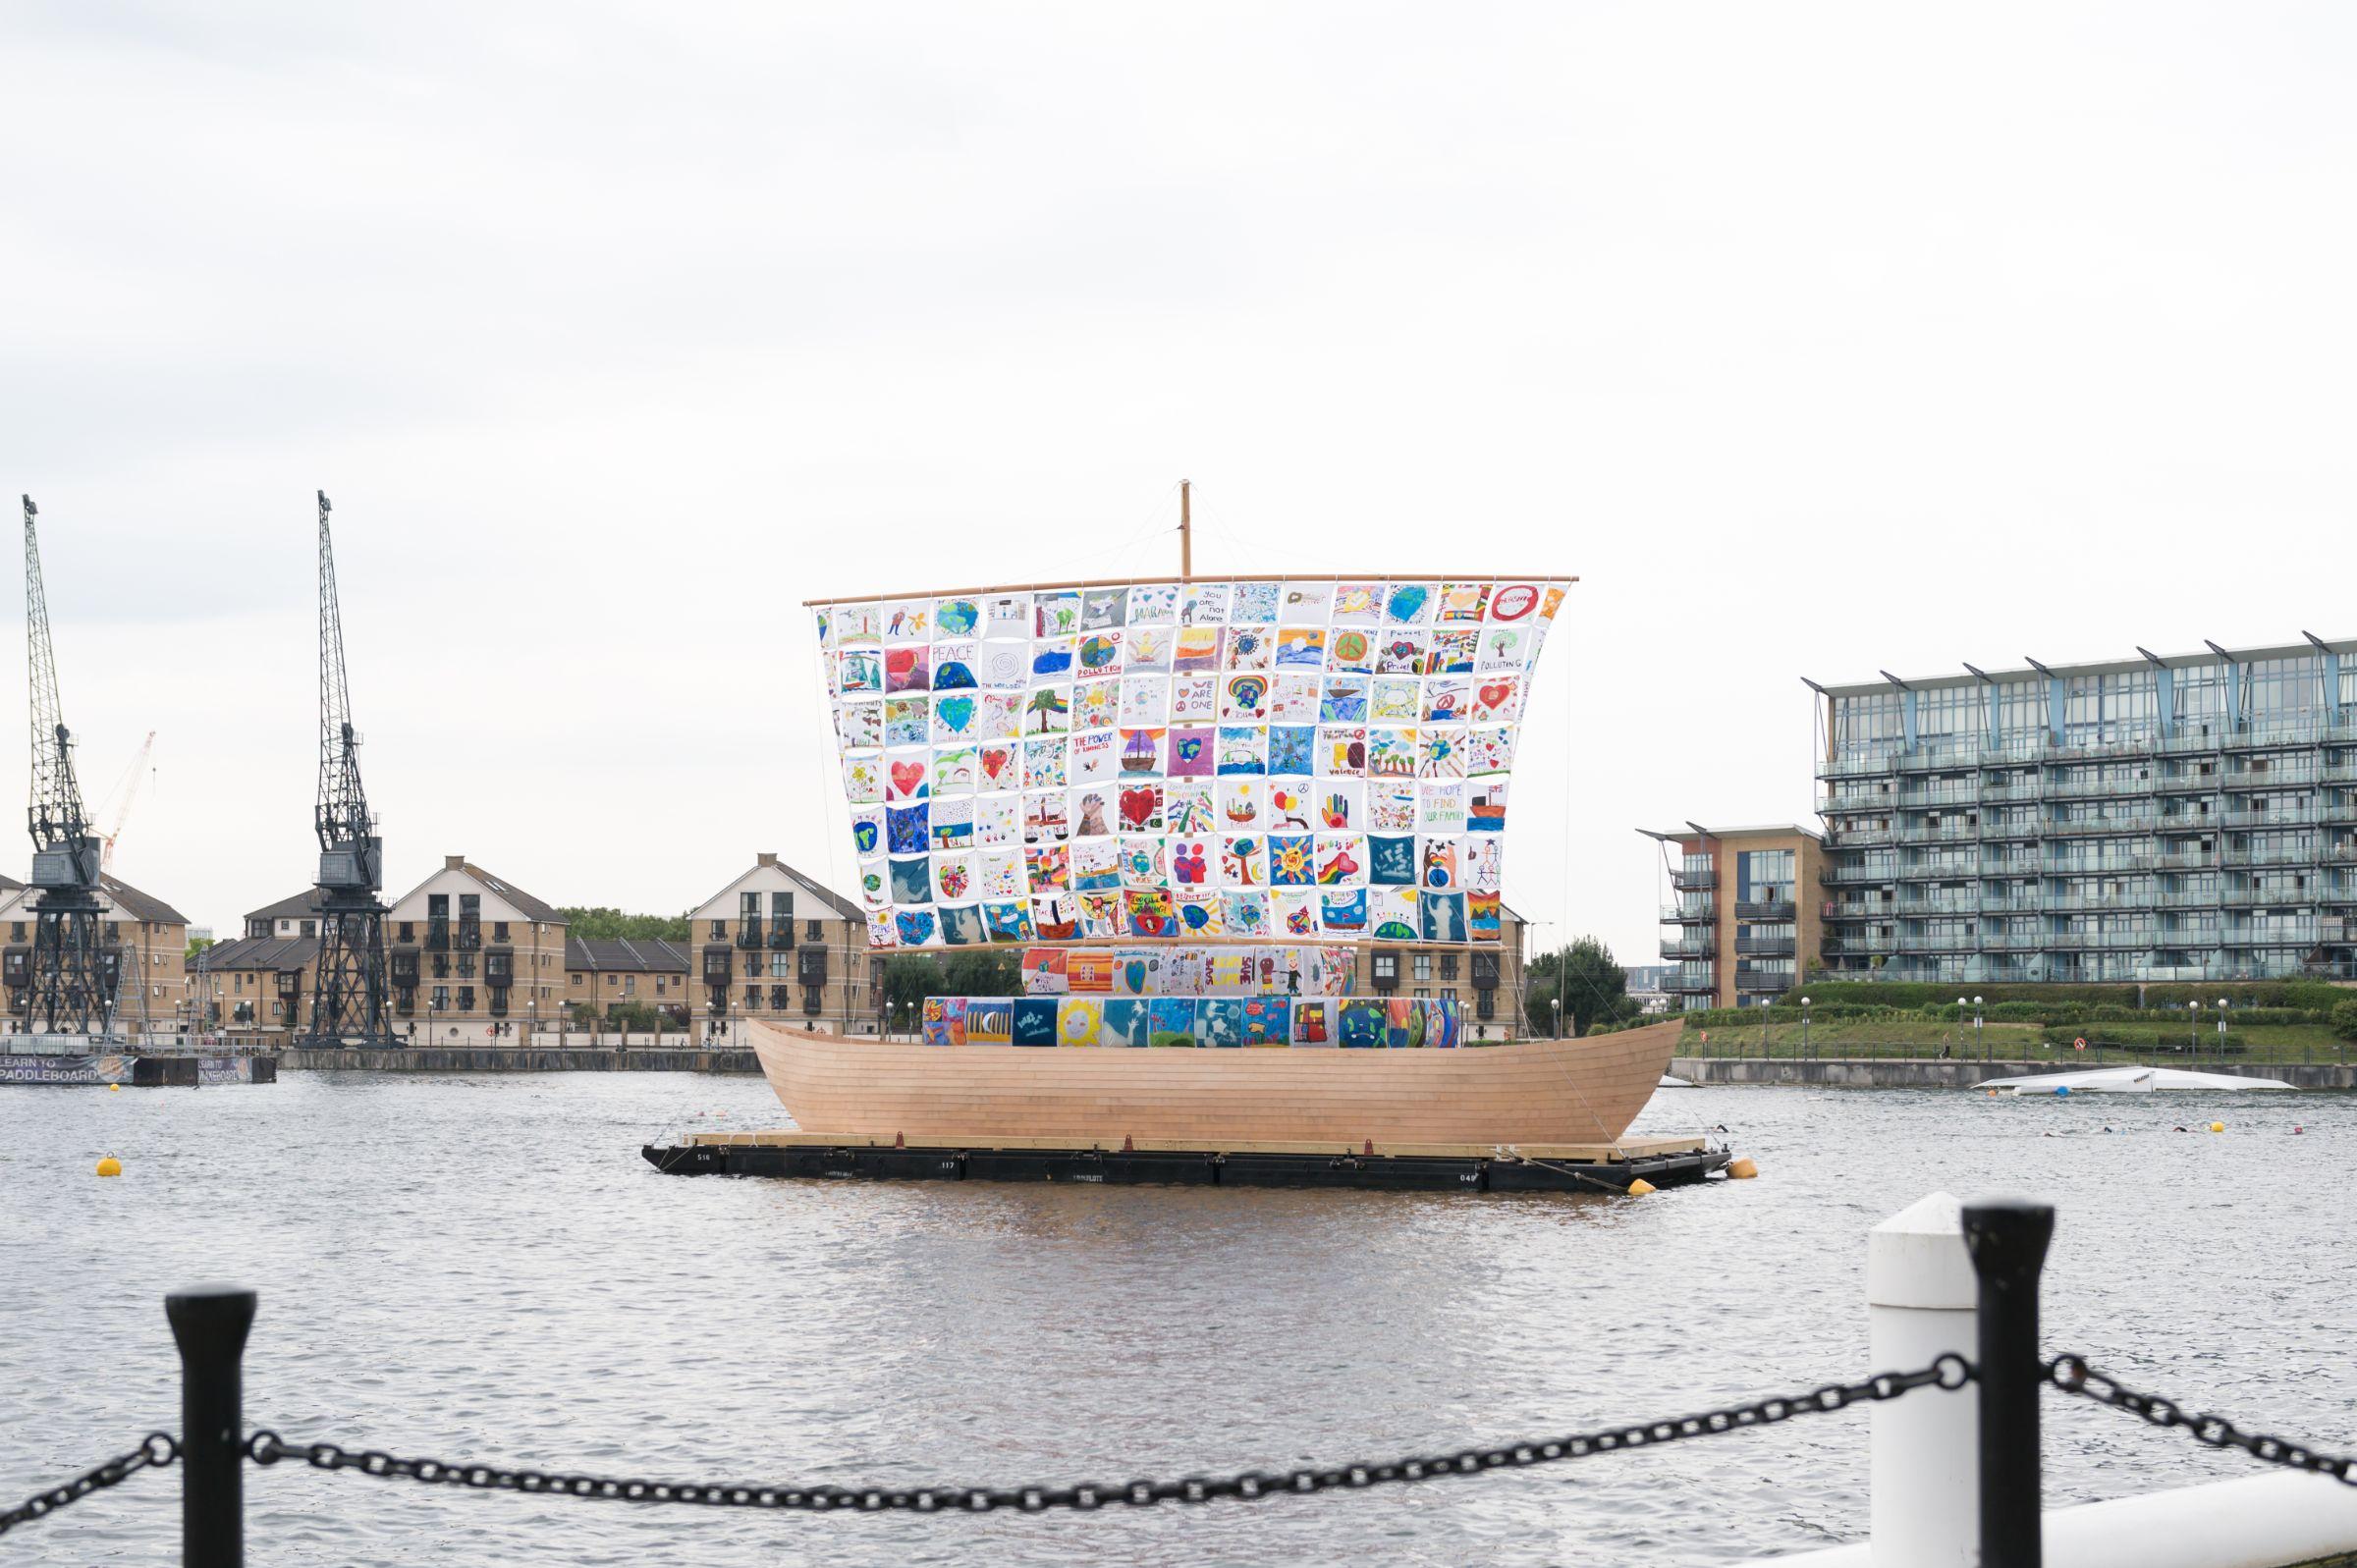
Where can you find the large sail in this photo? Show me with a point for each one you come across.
(1292, 759)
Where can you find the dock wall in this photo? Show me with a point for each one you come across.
(518, 1058)
(1840, 1074)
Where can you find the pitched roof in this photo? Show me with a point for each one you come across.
(263, 953)
(9, 884)
(140, 905)
(531, 907)
(626, 955)
(843, 907)
(306, 902)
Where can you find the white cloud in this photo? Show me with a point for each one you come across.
(1818, 338)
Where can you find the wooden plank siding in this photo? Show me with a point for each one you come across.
(1565, 1091)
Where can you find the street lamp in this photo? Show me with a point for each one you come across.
(1978, 1038)
(2221, 1030)
(1804, 1030)
(1557, 1003)
(2193, 1030)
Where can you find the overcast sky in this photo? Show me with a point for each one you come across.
(1817, 338)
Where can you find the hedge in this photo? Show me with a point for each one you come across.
(2305, 994)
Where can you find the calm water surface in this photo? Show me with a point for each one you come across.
(482, 1267)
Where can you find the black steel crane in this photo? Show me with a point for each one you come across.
(350, 994)
(71, 988)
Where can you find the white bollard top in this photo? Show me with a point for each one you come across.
(1916, 1258)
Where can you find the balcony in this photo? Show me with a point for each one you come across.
(1870, 873)
(2301, 816)
(1764, 909)
(1860, 839)
(781, 933)
(1682, 914)
(1774, 983)
(749, 932)
(1858, 764)
(1941, 871)
(2186, 784)
(2095, 789)
(2204, 898)
(2014, 789)
(2268, 778)
(2014, 904)
(1765, 947)
(1860, 942)
(1938, 832)
(437, 934)
(471, 934)
(2268, 897)
(1485, 971)
(810, 966)
(2303, 934)
(1926, 908)
(2271, 855)
(1857, 800)
(1693, 878)
(1687, 983)
(719, 966)
(1677, 947)
(1945, 794)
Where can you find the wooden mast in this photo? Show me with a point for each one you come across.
(1186, 530)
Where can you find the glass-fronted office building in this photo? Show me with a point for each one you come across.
(2167, 819)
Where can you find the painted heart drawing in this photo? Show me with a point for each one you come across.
(955, 713)
(1138, 808)
(1497, 695)
(908, 778)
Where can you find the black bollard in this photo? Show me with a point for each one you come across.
(2008, 1237)
(210, 1324)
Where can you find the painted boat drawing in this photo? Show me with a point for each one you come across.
(1189, 804)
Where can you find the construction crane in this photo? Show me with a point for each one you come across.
(71, 986)
(349, 990)
(126, 790)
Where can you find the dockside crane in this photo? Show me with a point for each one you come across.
(350, 994)
(71, 989)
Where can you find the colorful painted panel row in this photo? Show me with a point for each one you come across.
(1396, 1022)
(1184, 760)
(1268, 970)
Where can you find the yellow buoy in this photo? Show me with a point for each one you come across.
(110, 1167)
(1640, 1187)
(2218, 1127)
(1741, 1170)
(113, 1088)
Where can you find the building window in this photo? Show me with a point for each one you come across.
(1387, 966)
(812, 931)
(1423, 967)
(311, 928)
(778, 966)
(780, 906)
(720, 931)
(407, 931)
(499, 931)
(465, 999)
(1448, 967)
(441, 1002)
(752, 997)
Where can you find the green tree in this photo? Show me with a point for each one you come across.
(982, 972)
(908, 978)
(604, 924)
(198, 944)
(1593, 988)
(2344, 1019)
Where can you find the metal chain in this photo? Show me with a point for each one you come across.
(156, 1451)
(2073, 1376)
(1949, 1372)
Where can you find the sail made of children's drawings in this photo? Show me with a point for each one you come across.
(1289, 759)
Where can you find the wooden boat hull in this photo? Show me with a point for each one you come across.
(1538, 1092)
